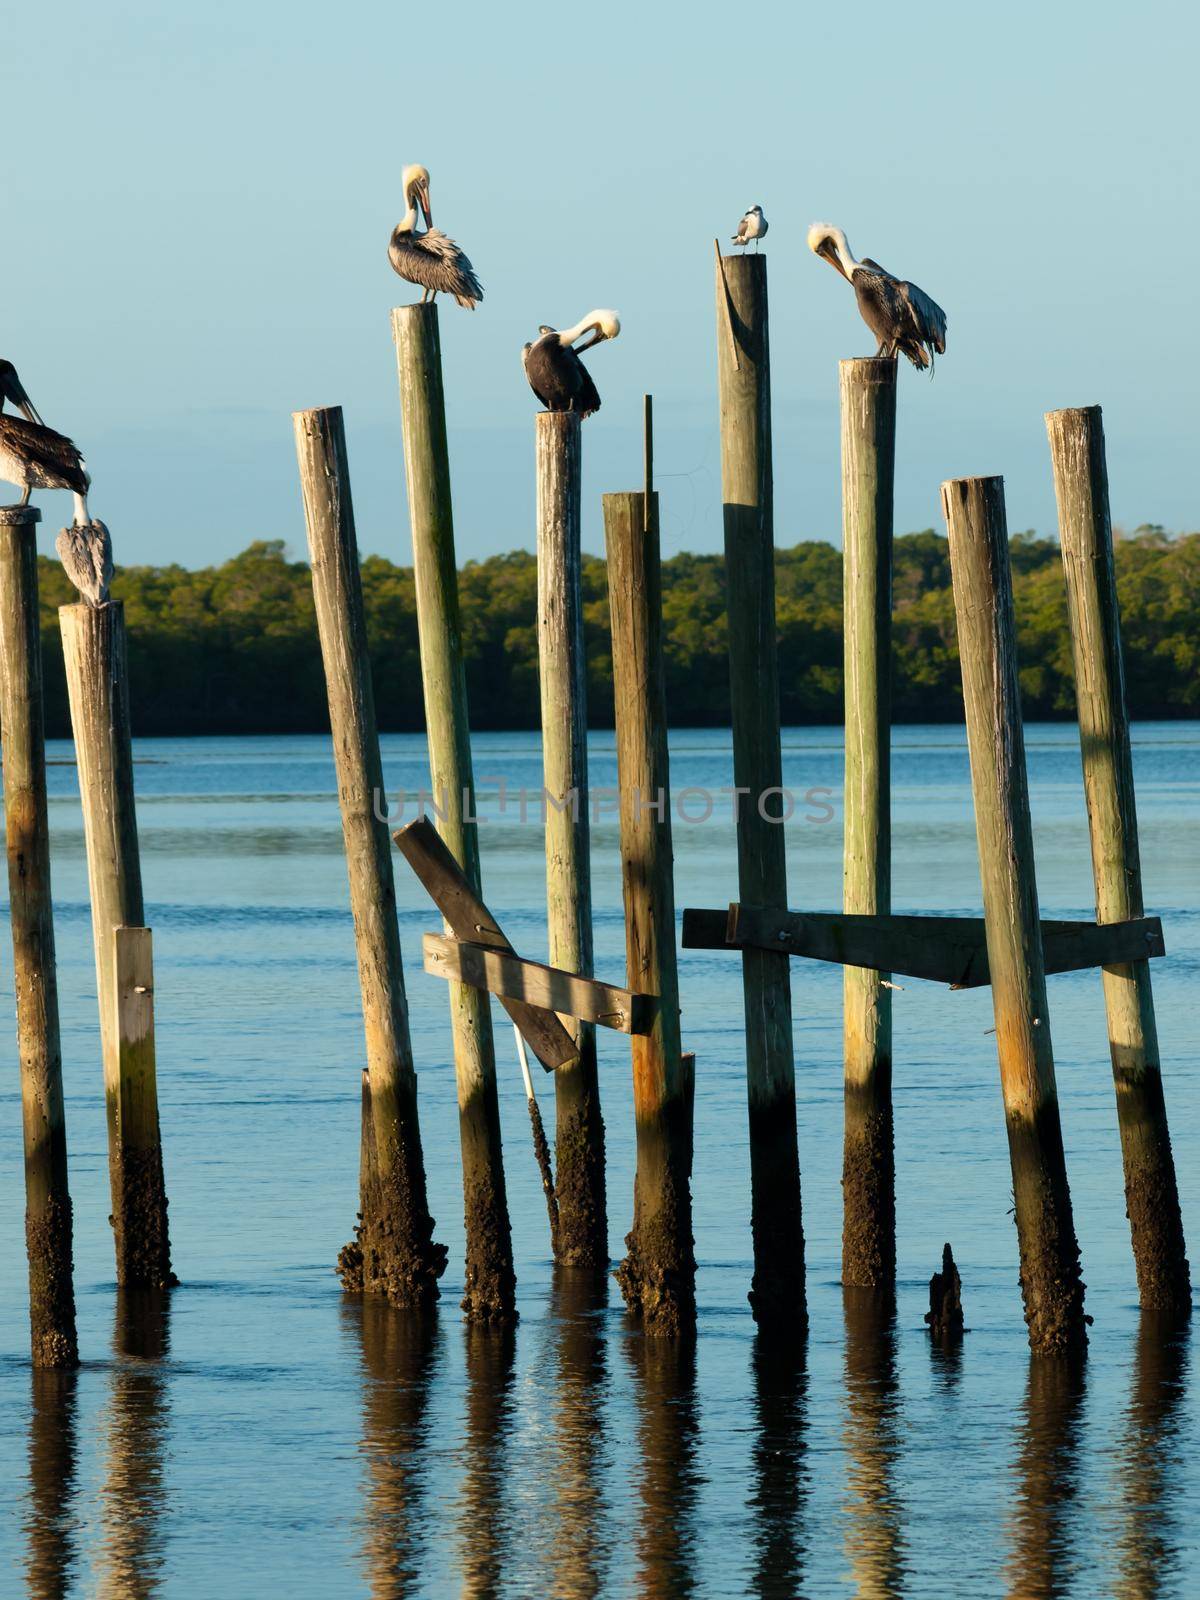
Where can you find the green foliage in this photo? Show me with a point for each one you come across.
(233, 649)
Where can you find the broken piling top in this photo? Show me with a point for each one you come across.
(945, 1314)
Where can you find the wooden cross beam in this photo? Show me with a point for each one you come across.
(509, 976)
(479, 954)
(949, 950)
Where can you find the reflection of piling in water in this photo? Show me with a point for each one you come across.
(399, 1352)
(780, 1475)
(50, 1553)
(485, 1549)
(578, 1299)
(667, 1538)
(135, 1428)
(1042, 1560)
(875, 1540)
(1149, 1546)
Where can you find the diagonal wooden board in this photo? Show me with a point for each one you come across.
(469, 919)
(949, 950)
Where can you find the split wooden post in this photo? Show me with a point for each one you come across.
(1050, 1275)
(394, 1253)
(1085, 530)
(658, 1275)
(97, 685)
(868, 405)
(777, 1293)
(582, 1236)
(48, 1228)
(490, 1282)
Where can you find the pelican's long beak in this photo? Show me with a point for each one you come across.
(829, 253)
(423, 199)
(597, 338)
(26, 405)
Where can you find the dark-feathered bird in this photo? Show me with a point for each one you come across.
(430, 259)
(556, 374)
(752, 226)
(33, 456)
(86, 554)
(902, 317)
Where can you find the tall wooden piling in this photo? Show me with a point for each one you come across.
(490, 1283)
(658, 1275)
(868, 404)
(1050, 1276)
(582, 1237)
(94, 650)
(395, 1253)
(744, 372)
(22, 729)
(1085, 529)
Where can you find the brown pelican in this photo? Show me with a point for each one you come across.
(752, 226)
(556, 374)
(430, 259)
(86, 554)
(901, 316)
(33, 456)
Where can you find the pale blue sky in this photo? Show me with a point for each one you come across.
(197, 200)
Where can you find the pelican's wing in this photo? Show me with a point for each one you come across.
(449, 271)
(588, 399)
(928, 318)
(53, 452)
(80, 549)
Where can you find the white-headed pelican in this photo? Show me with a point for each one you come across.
(556, 374)
(430, 259)
(902, 317)
(33, 456)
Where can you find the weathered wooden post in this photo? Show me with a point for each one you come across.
(658, 1275)
(1085, 529)
(1050, 1276)
(744, 372)
(94, 649)
(22, 728)
(490, 1283)
(868, 397)
(396, 1254)
(582, 1236)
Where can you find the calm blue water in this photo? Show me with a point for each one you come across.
(279, 1439)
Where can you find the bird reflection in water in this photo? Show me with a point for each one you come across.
(135, 1429)
(579, 1455)
(1151, 1548)
(486, 1555)
(51, 1556)
(667, 1536)
(1043, 1524)
(780, 1474)
(399, 1360)
(875, 1542)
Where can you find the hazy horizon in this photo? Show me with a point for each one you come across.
(200, 224)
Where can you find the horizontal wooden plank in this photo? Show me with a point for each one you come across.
(469, 919)
(511, 976)
(949, 950)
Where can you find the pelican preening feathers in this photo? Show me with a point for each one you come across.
(752, 226)
(430, 259)
(86, 554)
(556, 374)
(33, 456)
(902, 317)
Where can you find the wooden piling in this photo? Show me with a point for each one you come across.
(868, 405)
(94, 650)
(1085, 530)
(490, 1282)
(744, 374)
(582, 1236)
(395, 1253)
(1050, 1276)
(47, 1196)
(658, 1275)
